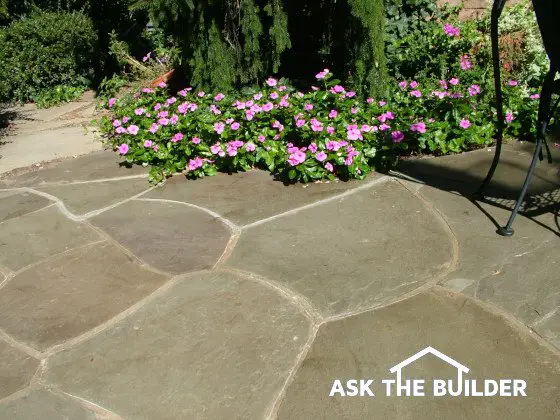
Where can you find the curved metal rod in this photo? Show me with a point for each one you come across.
(497, 9)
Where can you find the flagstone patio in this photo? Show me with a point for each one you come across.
(237, 297)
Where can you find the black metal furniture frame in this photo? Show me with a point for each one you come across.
(548, 17)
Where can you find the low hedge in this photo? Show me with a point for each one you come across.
(43, 51)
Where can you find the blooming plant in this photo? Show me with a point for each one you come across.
(325, 133)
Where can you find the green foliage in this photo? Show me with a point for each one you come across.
(43, 51)
(58, 95)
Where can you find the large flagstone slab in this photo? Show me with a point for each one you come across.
(15, 205)
(213, 346)
(351, 254)
(71, 294)
(366, 346)
(45, 405)
(16, 369)
(44, 233)
(93, 166)
(171, 237)
(247, 197)
(519, 274)
(84, 198)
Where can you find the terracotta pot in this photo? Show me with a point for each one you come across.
(163, 78)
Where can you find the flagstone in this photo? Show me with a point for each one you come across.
(14, 205)
(213, 346)
(16, 369)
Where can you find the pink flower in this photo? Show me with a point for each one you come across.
(112, 102)
(439, 94)
(171, 100)
(403, 84)
(250, 147)
(333, 145)
(163, 121)
(414, 84)
(195, 163)
(157, 107)
(139, 111)
(249, 115)
(312, 147)
(443, 84)
(322, 75)
(330, 130)
(316, 125)
(261, 138)
(354, 111)
(350, 94)
(156, 147)
(321, 156)
(300, 123)
(329, 167)
(154, 128)
(282, 88)
(215, 149)
(465, 62)
(382, 103)
(338, 89)
(235, 126)
(509, 117)
(177, 137)
(133, 129)
(148, 143)
(195, 140)
(219, 127)
(116, 123)
(257, 96)
(267, 107)
(219, 97)
(416, 93)
(365, 128)
(271, 82)
(162, 84)
(420, 127)
(125, 120)
(229, 120)
(308, 107)
(474, 90)
(513, 82)
(148, 90)
(182, 93)
(174, 119)
(276, 124)
(397, 136)
(353, 133)
(163, 114)
(123, 149)
(369, 100)
(201, 94)
(384, 127)
(146, 57)
(296, 158)
(333, 114)
(454, 81)
(120, 130)
(451, 31)
(535, 96)
(465, 123)
(274, 95)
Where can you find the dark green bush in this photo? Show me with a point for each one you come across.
(45, 50)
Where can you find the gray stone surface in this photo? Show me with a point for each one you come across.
(368, 345)
(98, 165)
(38, 235)
(351, 254)
(16, 369)
(19, 204)
(549, 328)
(45, 405)
(83, 198)
(69, 295)
(213, 346)
(247, 197)
(171, 237)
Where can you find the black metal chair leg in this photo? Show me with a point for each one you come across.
(543, 119)
(496, 12)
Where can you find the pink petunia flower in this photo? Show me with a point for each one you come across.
(333, 114)
(312, 147)
(133, 129)
(219, 127)
(250, 147)
(177, 137)
(454, 81)
(274, 95)
(112, 102)
(296, 158)
(509, 117)
(397, 136)
(329, 167)
(308, 107)
(261, 138)
(414, 84)
(123, 149)
(321, 75)
(219, 97)
(513, 82)
(465, 123)
(535, 96)
(321, 156)
(416, 93)
(403, 84)
(271, 82)
(235, 126)
(120, 130)
(148, 143)
(195, 140)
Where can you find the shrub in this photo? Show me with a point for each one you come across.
(43, 51)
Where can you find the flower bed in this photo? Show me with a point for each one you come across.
(325, 133)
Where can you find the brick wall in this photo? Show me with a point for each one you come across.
(472, 7)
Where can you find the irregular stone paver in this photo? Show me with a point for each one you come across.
(16, 369)
(83, 198)
(247, 197)
(69, 295)
(471, 168)
(18, 204)
(98, 165)
(351, 254)
(43, 404)
(366, 346)
(518, 274)
(171, 237)
(213, 346)
(38, 235)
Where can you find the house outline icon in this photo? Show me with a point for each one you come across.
(460, 368)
